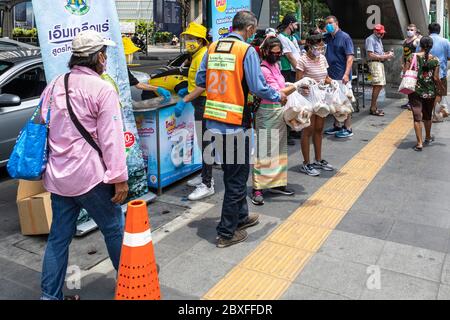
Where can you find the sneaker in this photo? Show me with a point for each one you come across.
(332, 130)
(309, 170)
(257, 198)
(430, 141)
(282, 190)
(239, 236)
(201, 192)
(195, 182)
(344, 133)
(252, 220)
(323, 165)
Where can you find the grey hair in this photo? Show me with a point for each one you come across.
(334, 19)
(244, 19)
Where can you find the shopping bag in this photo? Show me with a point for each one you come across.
(29, 156)
(317, 98)
(409, 81)
(297, 112)
(441, 111)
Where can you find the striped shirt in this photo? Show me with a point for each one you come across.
(315, 69)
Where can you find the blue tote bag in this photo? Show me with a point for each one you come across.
(29, 156)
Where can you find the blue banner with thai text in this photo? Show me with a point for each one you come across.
(58, 22)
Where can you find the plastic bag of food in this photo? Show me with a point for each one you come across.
(441, 111)
(297, 111)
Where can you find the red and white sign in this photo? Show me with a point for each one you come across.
(129, 139)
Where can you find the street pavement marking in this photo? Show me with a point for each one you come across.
(318, 216)
(268, 271)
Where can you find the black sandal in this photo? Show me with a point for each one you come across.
(418, 149)
(378, 113)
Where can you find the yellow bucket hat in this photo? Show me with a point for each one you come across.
(129, 46)
(196, 30)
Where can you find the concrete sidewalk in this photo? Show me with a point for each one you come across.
(399, 227)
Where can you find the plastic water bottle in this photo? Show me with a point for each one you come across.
(358, 53)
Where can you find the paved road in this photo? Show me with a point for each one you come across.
(389, 224)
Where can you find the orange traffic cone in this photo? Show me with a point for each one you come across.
(138, 276)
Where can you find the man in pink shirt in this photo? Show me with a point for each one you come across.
(80, 173)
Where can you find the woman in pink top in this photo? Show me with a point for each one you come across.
(270, 169)
(77, 175)
(313, 64)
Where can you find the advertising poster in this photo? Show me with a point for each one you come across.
(179, 151)
(58, 22)
(223, 12)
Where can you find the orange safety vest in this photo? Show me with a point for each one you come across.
(226, 88)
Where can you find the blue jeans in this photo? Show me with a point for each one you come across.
(105, 213)
(235, 177)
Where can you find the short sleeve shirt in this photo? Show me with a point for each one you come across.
(441, 50)
(290, 45)
(375, 45)
(314, 69)
(339, 47)
(426, 87)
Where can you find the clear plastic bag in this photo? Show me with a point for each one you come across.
(442, 110)
(297, 112)
(317, 98)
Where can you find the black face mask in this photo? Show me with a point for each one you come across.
(272, 59)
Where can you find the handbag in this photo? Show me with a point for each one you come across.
(409, 80)
(75, 120)
(30, 154)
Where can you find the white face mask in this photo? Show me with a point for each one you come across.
(410, 34)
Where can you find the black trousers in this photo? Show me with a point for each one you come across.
(236, 171)
(200, 127)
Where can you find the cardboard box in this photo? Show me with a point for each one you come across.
(35, 209)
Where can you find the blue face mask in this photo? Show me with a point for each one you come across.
(250, 40)
(330, 28)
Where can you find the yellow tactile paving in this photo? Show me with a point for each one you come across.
(335, 199)
(301, 236)
(346, 185)
(277, 260)
(245, 284)
(318, 216)
(270, 269)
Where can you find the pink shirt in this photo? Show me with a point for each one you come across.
(273, 77)
(74, 167)
(315, 69)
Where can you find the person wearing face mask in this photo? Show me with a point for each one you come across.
(229, 71)
(270, 171)
(376, 56)
(313, 64)
(340, 55)
(291, 50)
(84, 170)
(409, 47)
(291, 53)
(196, 46)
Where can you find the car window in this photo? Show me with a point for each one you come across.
(28, 84)
(4, 66)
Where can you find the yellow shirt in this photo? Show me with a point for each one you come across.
(195, 65)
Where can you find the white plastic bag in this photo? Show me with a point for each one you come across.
(297, 112)
(317, 98)
(441, 111)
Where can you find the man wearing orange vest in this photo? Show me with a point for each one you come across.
(229, 71)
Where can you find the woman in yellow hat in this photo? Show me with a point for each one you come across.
(196, 46)
(129, 49)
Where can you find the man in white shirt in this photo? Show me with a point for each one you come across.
(291, 50)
